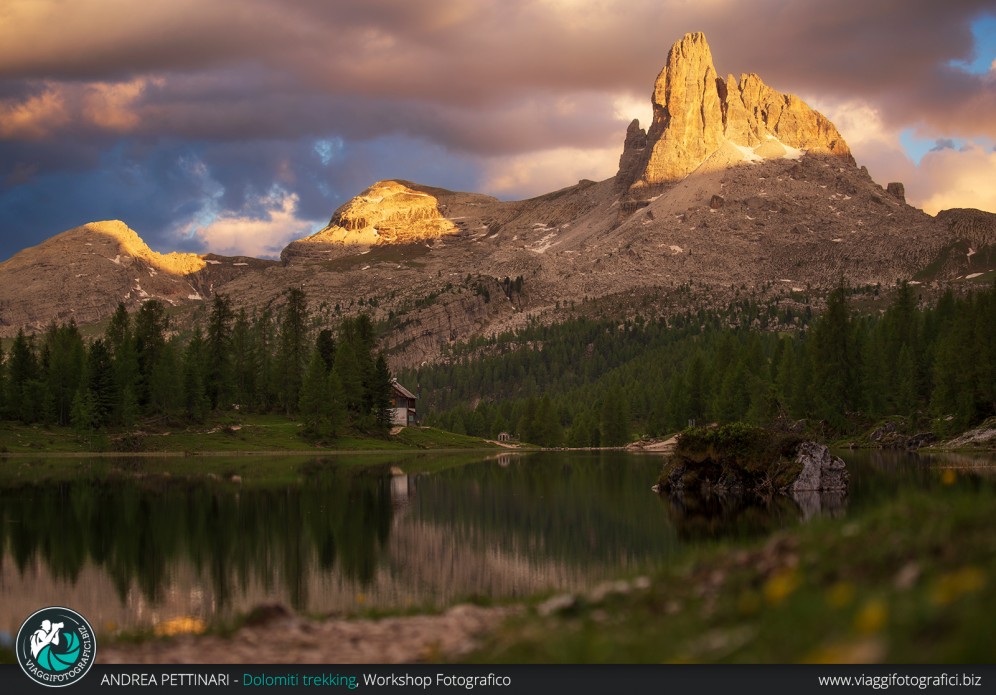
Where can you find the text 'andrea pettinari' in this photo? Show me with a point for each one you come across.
(182, 680)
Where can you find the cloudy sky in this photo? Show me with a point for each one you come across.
(234, 126)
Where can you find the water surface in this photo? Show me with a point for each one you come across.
(134, 549)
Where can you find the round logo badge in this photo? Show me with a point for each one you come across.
(55, 647)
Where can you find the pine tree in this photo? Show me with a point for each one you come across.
(294, 352)
(525, 425)
(120, 341)
(906, 391)
(166, 390)
(64, 356)
(99, 385)
(314, 405)
(900, 329)
(836, 367)
(695, 382)
(875, 370)
(82, 414)
(23, 386)
(217, 373)
(325, 344)
(733, 398)
(801, 403)
(245, 363)
(584, 430)
(677, 408)
(383, 390)
(195, 398)
(785, 376)
(347, 369)
(127, 411)
(615, 419)
(265, 345)
(549, 431)
(358, 334)
(118, 330)
(151, 324)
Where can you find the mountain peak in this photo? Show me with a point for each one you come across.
(696, 113)
(389, 212)
(129, 243)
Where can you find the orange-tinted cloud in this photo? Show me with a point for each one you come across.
(112, 105)
(33, 118)
(464, 60)
(955, 179)
(73, 108)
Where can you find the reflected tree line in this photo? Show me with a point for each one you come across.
(596, 510)
(137, 531)
(584, 511)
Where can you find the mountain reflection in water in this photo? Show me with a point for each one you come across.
(135, 549)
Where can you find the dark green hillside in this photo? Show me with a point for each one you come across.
(592, 383)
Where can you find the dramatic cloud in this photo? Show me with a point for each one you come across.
(948, 179)
(34, 117)
(232, 234)
(947, 176)
(104, 104)
(520, 176)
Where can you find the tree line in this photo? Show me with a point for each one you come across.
(602, 383)
(268, 362)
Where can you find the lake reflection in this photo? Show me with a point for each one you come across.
(129, 548)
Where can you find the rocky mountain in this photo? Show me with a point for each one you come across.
(697, 113)
(83, 273)
(389, 212)
(734, 187)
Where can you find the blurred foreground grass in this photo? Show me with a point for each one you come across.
(912, 581)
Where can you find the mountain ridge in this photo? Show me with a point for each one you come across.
(772, 201)
(82, 273)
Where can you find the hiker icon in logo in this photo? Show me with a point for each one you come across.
(56, 646)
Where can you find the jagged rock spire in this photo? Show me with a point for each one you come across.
(696, 112)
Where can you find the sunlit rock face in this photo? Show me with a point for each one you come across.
(387, 212)
(83, 274)
(696, 113)
(122, 239)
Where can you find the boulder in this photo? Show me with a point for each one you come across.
(821, 472)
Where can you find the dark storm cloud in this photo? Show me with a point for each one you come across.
(168, 112)
(449, 53)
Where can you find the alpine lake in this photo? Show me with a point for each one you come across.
(157, 544)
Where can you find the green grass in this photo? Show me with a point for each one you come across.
(432, 438)
(225, 434)
(913, 581)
